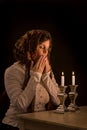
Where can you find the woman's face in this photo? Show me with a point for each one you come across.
(41, 50)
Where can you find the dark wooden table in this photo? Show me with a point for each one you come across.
(49, 120)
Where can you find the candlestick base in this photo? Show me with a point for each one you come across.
(61, 109)
(72, 107)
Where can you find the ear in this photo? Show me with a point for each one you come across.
(28, 55)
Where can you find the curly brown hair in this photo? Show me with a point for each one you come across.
(29, 42)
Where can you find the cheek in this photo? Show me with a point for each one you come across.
(36, 55)
(39, 53)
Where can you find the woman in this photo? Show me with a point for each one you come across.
(30, 82)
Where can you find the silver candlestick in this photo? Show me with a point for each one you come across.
(73, 95)
(62, 96)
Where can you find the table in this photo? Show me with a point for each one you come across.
(50, 120)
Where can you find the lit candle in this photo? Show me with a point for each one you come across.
(62, 79)
(73, 78)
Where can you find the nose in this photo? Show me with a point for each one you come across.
(45, 51)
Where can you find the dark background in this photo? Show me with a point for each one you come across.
(67, 23)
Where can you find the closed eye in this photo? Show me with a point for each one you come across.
(44, 48)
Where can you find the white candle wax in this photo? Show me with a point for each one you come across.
(73, 78)
(62, 79)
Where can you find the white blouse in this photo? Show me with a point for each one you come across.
(38, 89)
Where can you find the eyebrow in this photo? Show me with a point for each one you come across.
(45, 46)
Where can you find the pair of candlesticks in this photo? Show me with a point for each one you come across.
(63, 95)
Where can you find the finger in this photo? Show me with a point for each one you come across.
(43, 61)
(39, 60)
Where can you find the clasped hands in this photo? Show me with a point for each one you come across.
(42, 65)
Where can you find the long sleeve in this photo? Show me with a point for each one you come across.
(14, 79)
(52, 86)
